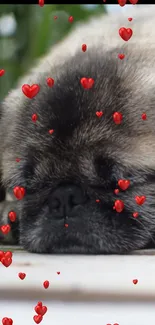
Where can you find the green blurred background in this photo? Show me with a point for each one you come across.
(27, 32)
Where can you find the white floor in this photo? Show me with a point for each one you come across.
(79, 314)
(73, 295)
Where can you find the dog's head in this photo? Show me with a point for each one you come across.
(70, 175)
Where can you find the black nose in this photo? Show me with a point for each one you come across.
(64, 199)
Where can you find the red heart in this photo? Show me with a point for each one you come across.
(70, 19)
(51, 131)
(140, 199)
(37, 318)
(125, 33)
(50, 82)
(18, 159)
(116, 191)
(22, 275)
(41, 3)
(135, 214)
(12, 216)
(123, 184)
(8, 254)
(87, 83)
(122, 2)
(99, 113)
(46, 284)
(6, 261)
(58, 273)
(121, 56)
(34, 118)
(40, 310)
(84, 47)
(144, 116)
(135, 281)
(130, 19)
(30, 91)
(119, 206)
(5, 229)
(19, 192)
(1, 255)
(2, 71)
(7, 321)
(117, 118)
(133, 1)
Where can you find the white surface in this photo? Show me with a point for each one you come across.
(79, 314)
(103, 274)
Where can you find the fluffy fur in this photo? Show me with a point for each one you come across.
(66, 172)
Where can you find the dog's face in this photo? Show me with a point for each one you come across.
(70, 175)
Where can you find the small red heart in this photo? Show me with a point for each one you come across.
(39, 303)
(5, 229)
(37, 318)
(51, 131)
(87, 83)
(8, 254)
(121, 56)
(50, 82)
(7, 321)
(18, 159)
(70, 19)
(140, 199)
(12, 216)
(34, 118)
(97, 201)
(41, 310)
(130, 19)
(99, 113)
(133, 2)
(135, 214)
(66, 225)
(46, 284)
(116, 191)
(117, 118)
(123, 184)
(6, 261)
(30, 91)
(144, 116)
(58, 273)
(19, 192)
(84, 47)
(1, 255)
(2, 71)
(122, 2)
(22, 275)
(119, 206)
(125, 33)
(41, 3)
(135, 281)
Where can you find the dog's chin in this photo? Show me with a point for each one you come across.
(73, 245)
(70, 241)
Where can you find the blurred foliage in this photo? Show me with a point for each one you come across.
(35, 31)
